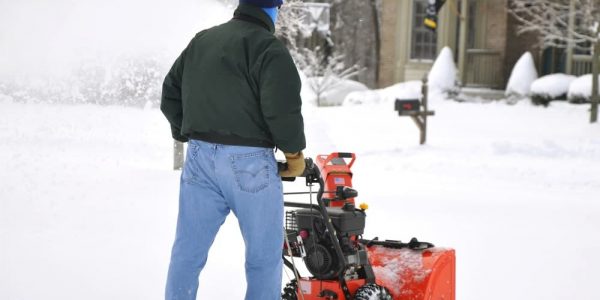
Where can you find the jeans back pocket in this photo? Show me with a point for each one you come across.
(251, 171)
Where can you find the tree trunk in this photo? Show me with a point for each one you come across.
(377, 27)
(595, 96)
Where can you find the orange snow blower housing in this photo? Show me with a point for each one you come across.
(344, 266)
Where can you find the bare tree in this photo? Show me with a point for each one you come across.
(376, 9)
(327, 72)
(561, 24)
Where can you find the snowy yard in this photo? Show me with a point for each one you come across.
(88, 199)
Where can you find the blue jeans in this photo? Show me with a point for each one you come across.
(216, 179)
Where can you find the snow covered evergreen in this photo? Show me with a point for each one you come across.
(442, 76)
(522, 76)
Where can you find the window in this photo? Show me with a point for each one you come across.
(424, 41)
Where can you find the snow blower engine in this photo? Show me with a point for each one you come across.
(327, 236)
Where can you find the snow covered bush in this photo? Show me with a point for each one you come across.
(580, 90)
(550, 87)
(442, 77)
(521, 78)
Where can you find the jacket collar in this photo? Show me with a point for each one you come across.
(256, 13)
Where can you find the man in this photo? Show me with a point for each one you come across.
(233, 95)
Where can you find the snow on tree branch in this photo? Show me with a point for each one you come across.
(550, 18)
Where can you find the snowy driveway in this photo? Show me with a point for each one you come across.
(88, 200)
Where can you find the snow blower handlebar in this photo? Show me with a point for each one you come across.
(313, 175)
(310, 170)
(327, 159)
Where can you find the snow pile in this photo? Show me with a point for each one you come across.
(333, 90)
(442, 77)
(523, 75)
(580, 89)
(550, 87)
(404, 90)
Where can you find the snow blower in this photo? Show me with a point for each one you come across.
(327, 237)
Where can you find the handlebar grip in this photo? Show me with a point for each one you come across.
(309, 169)
(344, 155)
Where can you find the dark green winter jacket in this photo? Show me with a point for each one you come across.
(236, 84)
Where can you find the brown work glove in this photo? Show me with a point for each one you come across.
(295, 165)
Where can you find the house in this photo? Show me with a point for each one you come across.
(488, 42)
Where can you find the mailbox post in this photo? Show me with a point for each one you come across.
(416, 110)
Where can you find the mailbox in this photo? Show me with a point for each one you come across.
(416, 109)
(404, 107)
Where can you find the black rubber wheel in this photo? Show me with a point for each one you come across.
(289, 291)
(371, 291)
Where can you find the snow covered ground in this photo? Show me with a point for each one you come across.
(88, 199)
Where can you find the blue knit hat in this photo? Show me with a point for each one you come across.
(263, 3)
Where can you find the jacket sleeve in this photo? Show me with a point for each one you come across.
(170, 102)
(280, 100)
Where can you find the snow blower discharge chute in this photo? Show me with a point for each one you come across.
(327, 237)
